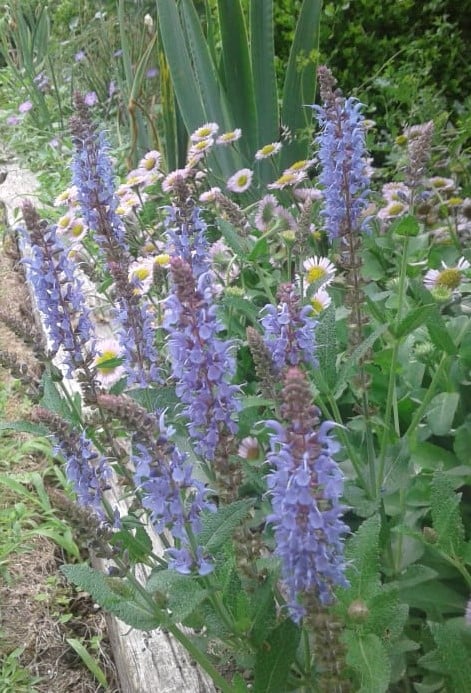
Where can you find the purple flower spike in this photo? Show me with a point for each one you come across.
(342, 156)
(305, 486)
(202, 364)
(289, 330)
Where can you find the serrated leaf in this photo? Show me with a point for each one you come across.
(273, 660)
(412, 321)
(24, 427)
(53, 400)
(183, 592)
(219, 526)
(406, 226)
(234, 240)
(441, 412)
(130, 611)
(350, 364)
(367, 655)
(241, 305)
(154, 399)
(439, 334)
(415, 575)
(362, 552)
(138, 545)
(263, 612)
(446, 515)
(454, 654)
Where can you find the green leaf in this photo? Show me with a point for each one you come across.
(416, 575)
(406, 226)
(441, 412)
(153, 399)
(274, 658)
(263, 612)
(434, 598)
(52, 398)
(362, 552)
(181, 69)
(326, 350)
(446, 515)
(183, 593)
(242, 306)
(350, 364)
(262, 45)
(299, 89)
(89, 661)
(138, 546)
(238, 79)
(412, 321)
(462, 442)
(219, 526)
(24, 427)
(234, 240)
(367, 655)
(115, 596)
(454, 653)
(439, 334)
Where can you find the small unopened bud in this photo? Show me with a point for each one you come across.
(148, 21)
(429, 535)
(358, 610)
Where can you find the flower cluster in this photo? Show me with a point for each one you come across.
(58, 292)
(342, 157)
(88, 472)
(289, 330)
(202, 364)
(305, 486)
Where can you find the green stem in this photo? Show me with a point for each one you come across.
(419, 412)
(391, 403)
(200, 658)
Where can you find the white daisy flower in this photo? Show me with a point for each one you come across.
(107, 351)
(448, 277)
(205, 131)
(320, 301)
(170, 180)
(151, 160)
(141, 275)
(240, 181)
(305, 194)
(393, 209)
(301, 165)
(288, 178)
(249, 449)
(266, 212)
(209, 195)
(228, 137)
(268, 150)
(393, 192)
(319, 269)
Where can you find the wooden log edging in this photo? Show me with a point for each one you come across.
(146, 662)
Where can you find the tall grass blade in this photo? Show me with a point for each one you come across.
(237, 70)
(300, 84)
(262, 45)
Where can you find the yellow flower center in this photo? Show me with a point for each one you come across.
(204, 132)
(317, 306)
(149, 163)
(103, 358)
(76, 230)
(298, 165)
(455, 201)
(162, 259)
(267, 149)
(450, 278)
(242, 180)
(396, 208)
(286, 179)
(141, 273)
(63, 222)
(315, 273)
(228, 136)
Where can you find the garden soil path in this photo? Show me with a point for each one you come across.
(33, 594)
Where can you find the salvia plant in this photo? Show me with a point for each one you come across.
(275, 375)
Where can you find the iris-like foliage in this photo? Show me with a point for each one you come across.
(342, 157)
(289, 330)
(58, 292)
(202, 364)
(305, 486)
